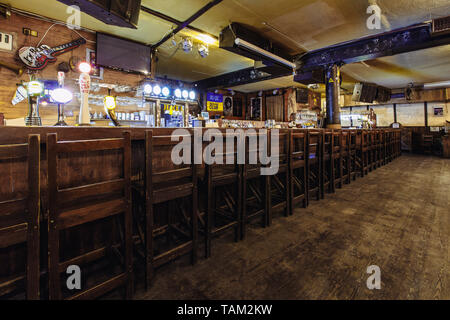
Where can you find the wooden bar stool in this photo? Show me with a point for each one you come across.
(346, 157)
(314, 164)
(255, 186)
(298, 172)
(100, 203)
(279, 200)
(338, 160)
(19, 216)
(353, 149)
(328, 174)
(224, 195)
(170, 190)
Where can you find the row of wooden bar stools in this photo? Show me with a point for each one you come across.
(75, 197)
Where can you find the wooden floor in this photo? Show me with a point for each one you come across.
(398, 218)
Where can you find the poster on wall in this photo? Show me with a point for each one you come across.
(214, 102)
(91, 58)
(228, 107)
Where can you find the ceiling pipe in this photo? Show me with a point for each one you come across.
(167, 18)
(437, 85)
(184, 24)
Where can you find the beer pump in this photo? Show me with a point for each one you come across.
(35, 90)
(84, 118)
(61, 96)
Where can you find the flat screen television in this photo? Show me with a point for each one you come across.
(121, 54)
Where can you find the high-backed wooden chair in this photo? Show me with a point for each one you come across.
(171, 202)
(353, 150)
(280, 182)
(398, 144)
(224, 194)
(314, 164)
(298, 172)
(372, 149)
(327, 184)
(362, 152)
(97, 202)
(19, 217)
(346, 157)
(338, 160)
(256, 187)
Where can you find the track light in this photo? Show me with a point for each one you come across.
(203, 50)
(187, 45)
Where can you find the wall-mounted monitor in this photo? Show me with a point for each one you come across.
(121, 54)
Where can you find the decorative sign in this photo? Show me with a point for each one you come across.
(215, 102)
(170, 108)
(91, 57)
(39, 58)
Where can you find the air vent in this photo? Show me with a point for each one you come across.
(441, 26)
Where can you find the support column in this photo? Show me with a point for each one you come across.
(333, 85)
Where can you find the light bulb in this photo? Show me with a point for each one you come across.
(178, 93)
(185, 94)
(148, 89)
(157, 90)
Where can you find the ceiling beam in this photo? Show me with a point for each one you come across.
(241, 77)
(167, 18)
(184, 24)
(413, 38)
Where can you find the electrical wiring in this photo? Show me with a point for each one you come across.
(61, 24)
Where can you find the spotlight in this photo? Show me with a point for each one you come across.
(157, 90)
(203, 50)
(148, 89)
(61, 95)
(178, 93)
(165, 92)
(185, 94)
(85, 67)
(192, 95)
(187, 45)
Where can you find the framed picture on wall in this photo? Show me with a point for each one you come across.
(256, 104)
(438, 111)
(91, 57)
(237, 107)
(228, 106)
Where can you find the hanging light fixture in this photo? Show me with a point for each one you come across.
(203, 50)
(187, 45)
